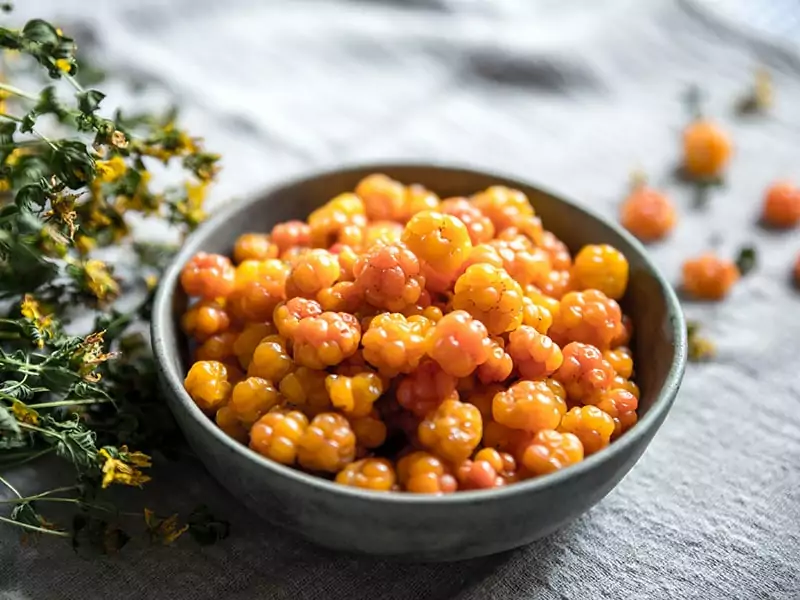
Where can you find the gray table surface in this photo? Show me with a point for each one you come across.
(572, 95)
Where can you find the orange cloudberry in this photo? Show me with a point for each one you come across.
(277, 434)
(498, 366)
(208, 276)
(551, 451)
(287, 315)
(621, 359)
(601, 267)
(560, 258)
(480, 227)
(383, 197)
(337, 220)
(590, 425)
(490, 295)
(355, 395)
(452, 431)
(291, 234)
(426, 388)
(528, 227)
(459, 343)
(418, 198)
(254, 246)
(525, 263)
(370, 430)
(529, 405)
(306, 389)
(218, 347)
(327, 444)
(389, 277)
(248, 340)
(423, 473)
(207, 384)
(344, 296)
(271, 359)
(442, 244)
(253, 398)
(260, 286)
(535, 355)
(382, 232)
(590, 317)
(204, 319)
(584, 372)
(781, 205)
(536, 316)
(228, 421)
(503, 206)
(312, 272)
(393, 344)
(375, 474)
(706, 150)
(619, 404)
(648, 214)
(709, 277)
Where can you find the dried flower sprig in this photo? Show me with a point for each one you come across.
(67, 192)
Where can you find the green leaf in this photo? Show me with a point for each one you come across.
(10, 434)
(30, 197)
(747, 260)
(90, 100)
(41, 32)
(205, 529)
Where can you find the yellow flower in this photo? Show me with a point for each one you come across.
(99, 281)
(63, 65)
(13, 158)
(23, 414)
(192, 207)
(4, 183)
(42, 324)
(115, 470)
(151, 281)
(163, 531)
(109, 171)
(85, 244)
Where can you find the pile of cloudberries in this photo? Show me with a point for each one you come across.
(395, 341)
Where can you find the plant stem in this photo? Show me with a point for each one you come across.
(27, 459)
(9, 486)
(42, 496)
(69, 403)
(17, 92)
(35, 528)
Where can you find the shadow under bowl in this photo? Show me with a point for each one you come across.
(409, 526)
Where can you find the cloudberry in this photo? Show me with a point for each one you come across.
(306, 389)
(208, 276)
(248, 340)
(590, 425)
(503, 206)
(424, 473)
(459, 343)
(329, 222)
(536, 316)
(271, 360)
(277, 434)
(426, 388)
(590, 317)
(452, 431)
(620, 405)
(287, 315)
(369, 473)
(490, 295)
(344, 296)
(480, 227)
(489, 468)
(218, 347)
(528, 405)
(228, 421)
(326, 340)
(481, 398)
(393, 344)
(204, 319)
(384, 198)
(355, 395)
(314, 271)
(254, 246)
(557, 283)
(625, 384)
(709, 277)
(539, 298)
(781, 205)
(207, 384)
(419, 199)
(706, 150)
(526, 264)
(389, 276)
(291, 255)
(648, 214)
(601, 267)
(260, 286)
(529, 227)
(550, 451)
(382, 232)
(621, 360)
(560, 258)
(347, 257)
(498, 366)
(290, 234)
(623, 337)
(584, 371)
(327, 444)
(505, 439)
(535, 355)
(441, 242)
(370, 430)
(253, 398)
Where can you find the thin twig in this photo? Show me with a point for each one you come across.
(35, 528)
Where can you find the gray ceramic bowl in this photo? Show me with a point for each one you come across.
(414, 527)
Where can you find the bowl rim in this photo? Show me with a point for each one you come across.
(162, 313)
